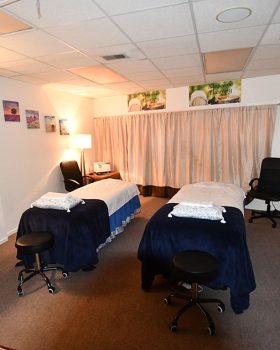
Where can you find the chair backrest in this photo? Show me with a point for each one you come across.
(70, 170)
(269, 180)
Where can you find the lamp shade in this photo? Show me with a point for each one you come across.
(82, 141)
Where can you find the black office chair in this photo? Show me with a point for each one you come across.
(72, 175)
(196, 268)
(266, 187)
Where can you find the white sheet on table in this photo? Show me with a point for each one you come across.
(219, 193)
(115, 193)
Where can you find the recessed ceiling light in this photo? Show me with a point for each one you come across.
(235, 14)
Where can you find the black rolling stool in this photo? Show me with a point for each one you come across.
(36, 243)
(195, 267)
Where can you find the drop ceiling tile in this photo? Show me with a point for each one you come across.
(7, 73)
(276, 17)
(272, 35)
(91, 34)
(126, 86)
(263, 64)
(178, 61)
(156, 84)
(144, 75)
(169, 47)
(67, 60)
(211, 78)
(205, 13)
(129, 50)
(190, 80)
(58, 12)
(157, 23)
(30, 80)
(185, 72)
(267, 51)
(29, 43)
(27, 66)
(132, 66)
(8, 55)
(260, 73)
(124, 6)
(53, 76)
(230, 39)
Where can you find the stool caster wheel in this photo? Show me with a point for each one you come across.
(51, 290)
(211, 330)
(250, 220)
(273, 225)
(167, 301)
(65, 274)
(221, 308)
(173, 326)
(20, 292)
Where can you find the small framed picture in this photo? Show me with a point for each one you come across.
(63, 127)
(50, 123)
(32, 119)
(11, 111)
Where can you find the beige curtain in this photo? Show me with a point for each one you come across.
(176, 148)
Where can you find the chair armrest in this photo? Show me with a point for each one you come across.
(251, 183)
(87, 179)
(72, 181)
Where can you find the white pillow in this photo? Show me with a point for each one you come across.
(53, 200)
(199, 211)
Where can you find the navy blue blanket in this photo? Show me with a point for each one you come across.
(164, 237)
(77, 233)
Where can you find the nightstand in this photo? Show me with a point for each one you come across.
(109, 175)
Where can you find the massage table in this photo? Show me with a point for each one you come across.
(165, 235)
(109, 205)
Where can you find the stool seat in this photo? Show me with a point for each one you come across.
(195, 267)
(34, 242)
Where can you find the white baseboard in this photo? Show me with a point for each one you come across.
(3, 240)
(8, 234)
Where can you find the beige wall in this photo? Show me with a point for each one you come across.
(30, 157)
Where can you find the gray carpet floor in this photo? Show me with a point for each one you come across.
(106, 309)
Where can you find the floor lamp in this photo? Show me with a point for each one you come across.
(82, 141)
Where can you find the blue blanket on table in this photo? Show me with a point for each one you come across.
(77, 233)
(164, 237)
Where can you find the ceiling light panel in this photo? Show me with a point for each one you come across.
(99, 74)
(10, 24)
(226, 61)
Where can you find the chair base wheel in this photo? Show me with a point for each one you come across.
(211, 330)
(172, 326)
(51, 290)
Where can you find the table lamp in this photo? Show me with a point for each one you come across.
(82, 141)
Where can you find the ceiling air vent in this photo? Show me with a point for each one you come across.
(114, 57)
